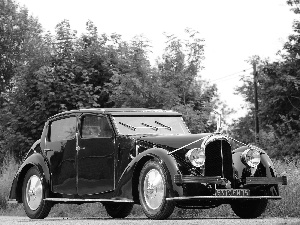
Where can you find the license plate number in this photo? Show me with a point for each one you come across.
(232, 192)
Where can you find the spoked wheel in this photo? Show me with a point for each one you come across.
(154, 186)
(33, 195)
(118, 210)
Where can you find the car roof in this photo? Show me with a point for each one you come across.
(122, 112)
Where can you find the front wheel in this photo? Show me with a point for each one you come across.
(249, 209)
(118, 210)
(253, 208)
(154, 184)
(33, 194)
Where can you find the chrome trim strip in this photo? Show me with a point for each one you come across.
(186, 145)
(86, 200)
(222, 197)
(182, 179)
(222, 158)
(267, 180)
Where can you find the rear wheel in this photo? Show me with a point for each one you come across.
(154, 185)
(33, 194)
(118, 210)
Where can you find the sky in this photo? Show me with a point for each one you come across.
(233, 30)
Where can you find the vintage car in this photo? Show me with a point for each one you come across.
(121, 157)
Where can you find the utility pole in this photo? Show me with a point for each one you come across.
(255, 103)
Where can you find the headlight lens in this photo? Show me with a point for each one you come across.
(196, 156)
(251, 157)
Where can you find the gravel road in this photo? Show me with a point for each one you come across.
(6, 220)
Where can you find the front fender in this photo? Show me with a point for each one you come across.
(127, 186)
(264, 160)
(35, 159)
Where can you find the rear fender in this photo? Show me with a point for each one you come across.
(37, 160)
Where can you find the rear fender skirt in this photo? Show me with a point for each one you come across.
(37, 160)
(124, 188)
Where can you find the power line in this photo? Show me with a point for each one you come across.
(221, 78)
(226, 79)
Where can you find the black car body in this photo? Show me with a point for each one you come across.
(121, 157)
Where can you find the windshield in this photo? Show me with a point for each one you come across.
(150, 125)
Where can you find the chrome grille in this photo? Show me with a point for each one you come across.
(219, 159)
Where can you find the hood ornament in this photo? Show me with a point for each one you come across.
(219, 120)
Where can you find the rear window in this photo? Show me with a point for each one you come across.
(95, 127)
(62, 129)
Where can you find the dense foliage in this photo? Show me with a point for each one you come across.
(43, 74)
(279, 99)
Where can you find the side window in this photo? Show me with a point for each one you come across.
(95, 127)
(63, 129)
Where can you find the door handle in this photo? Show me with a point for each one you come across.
(48, 150)
(78, 148)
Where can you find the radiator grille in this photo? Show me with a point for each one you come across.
(218, 159)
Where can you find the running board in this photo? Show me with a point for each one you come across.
(222, 197)
(86, 200)
(12, 201)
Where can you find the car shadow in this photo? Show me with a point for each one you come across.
(129, 218)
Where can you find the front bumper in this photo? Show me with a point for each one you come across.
(188, 179)
(222, 198)
(249, 183)
(266, 180)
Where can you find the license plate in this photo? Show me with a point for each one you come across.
(232, 192)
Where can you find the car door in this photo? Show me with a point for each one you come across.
(95, 155)
(60, 150)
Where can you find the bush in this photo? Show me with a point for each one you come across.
(280, 146)
(7, 173)
(290, 203)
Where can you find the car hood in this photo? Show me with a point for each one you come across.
(176, 141)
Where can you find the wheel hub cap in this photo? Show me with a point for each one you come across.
(34, 192)
(154, 189)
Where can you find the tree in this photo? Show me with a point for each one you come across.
(279, 102)
(63, 72)
(182, 62)
(44, 87)
(180, 74)
(18, 32)
(132, 80)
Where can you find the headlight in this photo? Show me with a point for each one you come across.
(251, 157)
(196, 156)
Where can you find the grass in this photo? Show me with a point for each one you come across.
(287, 207)
(290, 203)
(7, 173)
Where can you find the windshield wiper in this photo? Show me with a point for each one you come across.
(164, 126)
(128, 126)
(152, 127)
